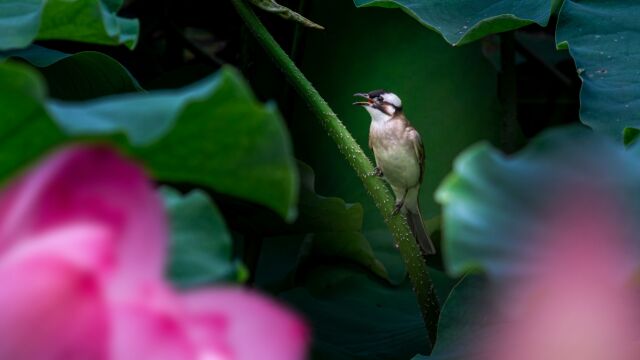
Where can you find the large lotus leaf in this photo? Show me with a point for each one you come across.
(200, 250)
(603, 38)
(463, 21)
(213, 133)
(449, 95)
(94, 21)
(79, 76)
(499, 209)
(355, 316)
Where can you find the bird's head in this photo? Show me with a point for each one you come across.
(382, 105)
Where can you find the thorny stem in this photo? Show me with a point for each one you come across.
(414, 262)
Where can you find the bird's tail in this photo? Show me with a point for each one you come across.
(414, 218)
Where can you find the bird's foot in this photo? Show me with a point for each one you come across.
(377, 172)
(397, 208)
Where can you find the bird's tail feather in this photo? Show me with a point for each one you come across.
(414, 218)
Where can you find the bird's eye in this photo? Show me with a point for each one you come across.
(380, 98)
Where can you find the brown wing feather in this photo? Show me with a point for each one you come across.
(418, 147)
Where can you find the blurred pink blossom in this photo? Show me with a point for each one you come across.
(580, 303)
(83, 242)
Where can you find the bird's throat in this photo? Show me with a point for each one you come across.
(377, 115)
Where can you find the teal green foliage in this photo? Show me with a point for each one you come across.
(464, 21)
(603, 37)
(93, 21)
(201, 250)
(200, 142)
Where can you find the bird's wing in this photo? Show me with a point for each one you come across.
(418, 147)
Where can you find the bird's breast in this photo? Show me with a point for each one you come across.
(395, 155)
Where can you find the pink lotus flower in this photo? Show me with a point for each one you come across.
(83, 242)
(581, 302)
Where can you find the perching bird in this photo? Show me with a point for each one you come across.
(399, 155)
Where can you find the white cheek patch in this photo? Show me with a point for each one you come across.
(389, 109)
(393, 99)
(377, 115)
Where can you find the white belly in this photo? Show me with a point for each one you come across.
(399, 165)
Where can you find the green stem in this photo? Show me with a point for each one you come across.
(414, 262)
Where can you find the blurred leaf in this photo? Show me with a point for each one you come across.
(464, 324)
(503, 214)
(554, 228)
(79, 76)
(36, 55)
(555, 6)
(200, 249)
(143, 118)
(463, 21)
(94, 21)
(630, 135)
(26, 131)
(326, 228)
(603, 39)
(449, 95)
(205, 43)
(497, 208)
(323, 214)
(285, 13)
(213, 133)
(335, 226)
(357, 317)
(351, 246)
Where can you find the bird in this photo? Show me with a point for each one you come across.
(399, 155)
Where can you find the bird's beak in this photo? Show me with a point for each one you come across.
(363, 103)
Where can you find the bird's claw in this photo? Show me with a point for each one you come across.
(377, 172)
(397, 208)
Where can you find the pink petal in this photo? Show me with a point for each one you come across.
(86, 246)
(52, 308)
(150, 325)
(580, 304)
(90, 185)
(82, 246)
(254, 327)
